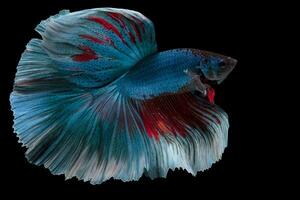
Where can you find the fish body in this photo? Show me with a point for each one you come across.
(168, 72)
(94, 99)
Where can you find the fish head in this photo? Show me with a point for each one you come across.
(215, 67)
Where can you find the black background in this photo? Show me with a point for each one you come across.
(239, 30)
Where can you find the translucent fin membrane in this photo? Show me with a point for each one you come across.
(95, 138)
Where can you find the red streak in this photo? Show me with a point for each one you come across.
(137, 32)
(88, 54)
(118, 18)
(107, 26)
(93, 39)
(170, 114)
(109, 41)
(132, 38)
(140, 23)
(211, 95)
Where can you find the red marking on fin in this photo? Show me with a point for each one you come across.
(211, 95)
(140, 23)
(118, 18)
(137, 31)
(170, 114)
(88, 54)
(107, 26)
(151, 131)
(107, 40)
(131, 36)
(93, 39)
(110, 41)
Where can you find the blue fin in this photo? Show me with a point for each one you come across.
(53, 97)
(108, 135)
(94, 47)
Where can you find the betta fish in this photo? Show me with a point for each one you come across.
(94, 99)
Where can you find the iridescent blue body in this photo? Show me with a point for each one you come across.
(160, 73)
(166, 72)
(93, 99)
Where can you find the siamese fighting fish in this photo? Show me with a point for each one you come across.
(94, 99)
